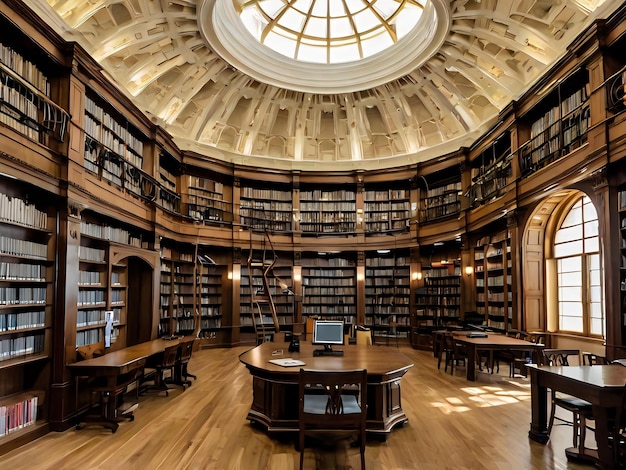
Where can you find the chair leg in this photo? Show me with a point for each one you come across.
(551, 421)
(301, 445)
(582, 433)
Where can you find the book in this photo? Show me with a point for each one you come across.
(287, 362)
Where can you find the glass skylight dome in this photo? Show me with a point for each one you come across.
(329, 31)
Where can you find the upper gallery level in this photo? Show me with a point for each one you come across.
(65, 119)
(385, 85)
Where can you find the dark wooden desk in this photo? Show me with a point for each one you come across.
(275, 388)
(115, 368)
(604, 386)
(492, 342)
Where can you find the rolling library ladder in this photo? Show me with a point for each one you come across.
(260, 266)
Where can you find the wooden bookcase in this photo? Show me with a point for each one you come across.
(264, 208)
(557, 124)
(26, 87)
(491, 170)
(493, 273)
(327, 211)
(387, 210)
(205, 200)
(177, 290)
(439, 300)
(27, 280)
(329, 286)
(103, 283)
(113, 148)
(210, 278)
(387, 293)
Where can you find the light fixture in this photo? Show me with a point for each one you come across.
(469, 270)
(383, 252)
(417, 276)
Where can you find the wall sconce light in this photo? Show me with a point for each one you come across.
(230, 275)
(297, 277)
(469, 270)
(296, 215)
(360, 277)
(417, 276)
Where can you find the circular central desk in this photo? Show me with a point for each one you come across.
(275, 388)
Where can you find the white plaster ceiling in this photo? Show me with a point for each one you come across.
(488, 52)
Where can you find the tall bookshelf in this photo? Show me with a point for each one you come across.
(387, 210)
(209, 302)
(491, 170)
(387, 293)
(177, 290)
(439, 300)
(558, 124)
(327, 211)
(25, 91)
(102, 283)
(329, 287)
(442, 201)
(27, 275)
(205, 200)
(266, 208)
(494, 288)
(112, 146)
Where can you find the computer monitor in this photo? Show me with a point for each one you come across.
(328, 333)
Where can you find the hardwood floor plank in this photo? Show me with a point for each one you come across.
(453, 424)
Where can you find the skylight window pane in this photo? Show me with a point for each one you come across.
(320, 9)
(407, 21)
(271, 7)
(340, 27)
(375, 45)
(365, 20)
(315, 54)
(292, 20)
(336, 9)
(386, 7)
(316, 27)
(344, 53)
(281, 44)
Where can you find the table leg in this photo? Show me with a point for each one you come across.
(471, 362)
(539, 409)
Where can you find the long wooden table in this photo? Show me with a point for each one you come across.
(275, 388)
(604, 386)
(114, 368)
(491, 342)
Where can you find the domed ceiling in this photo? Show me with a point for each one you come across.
(355, 84)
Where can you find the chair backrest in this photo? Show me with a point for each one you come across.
(170, 354)
(591, 359)
(89, 351)
(332, 400)
(559, 357)
(363, 336)
(186, 348)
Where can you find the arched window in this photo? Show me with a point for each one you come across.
(579, 271)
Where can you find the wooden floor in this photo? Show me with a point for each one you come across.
(453, 424)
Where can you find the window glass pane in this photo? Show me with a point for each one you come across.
(570, 294)
(593, 262)
(591, 229)
(572, 264)
(592, 244)
(595, 294)
(589, 210)
(597, 327)
(566, 234)
(574, 217)
(572, 324)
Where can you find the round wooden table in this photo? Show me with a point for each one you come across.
(275, 388)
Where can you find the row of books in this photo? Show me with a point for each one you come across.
(94, 335)
(318, 195)
(89, 278)
(390, 205)
(24, 68)
(87, 253)
(273, 195)
(16, 95)
(496, 281)
(117, 296)
(18, 415)
(330, 290)
(444, 210)
(344, 208)
(204, 184)
(106, 232)
(388, 215)
(344, 302)
(22, 320)
(440, 274)
(385, 195)
(90, 297)
(112, 126)
(22, 272)
(21, 346)
(14, 119)
(447, 189)
(328, 277)
(95, 317)
(22, 295)
(275, 206)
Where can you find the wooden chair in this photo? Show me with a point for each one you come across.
(186, 349)
(580, 409)
(332, 402)
(363, 335)
(590, 359)
(455, 353)
(162, 363)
